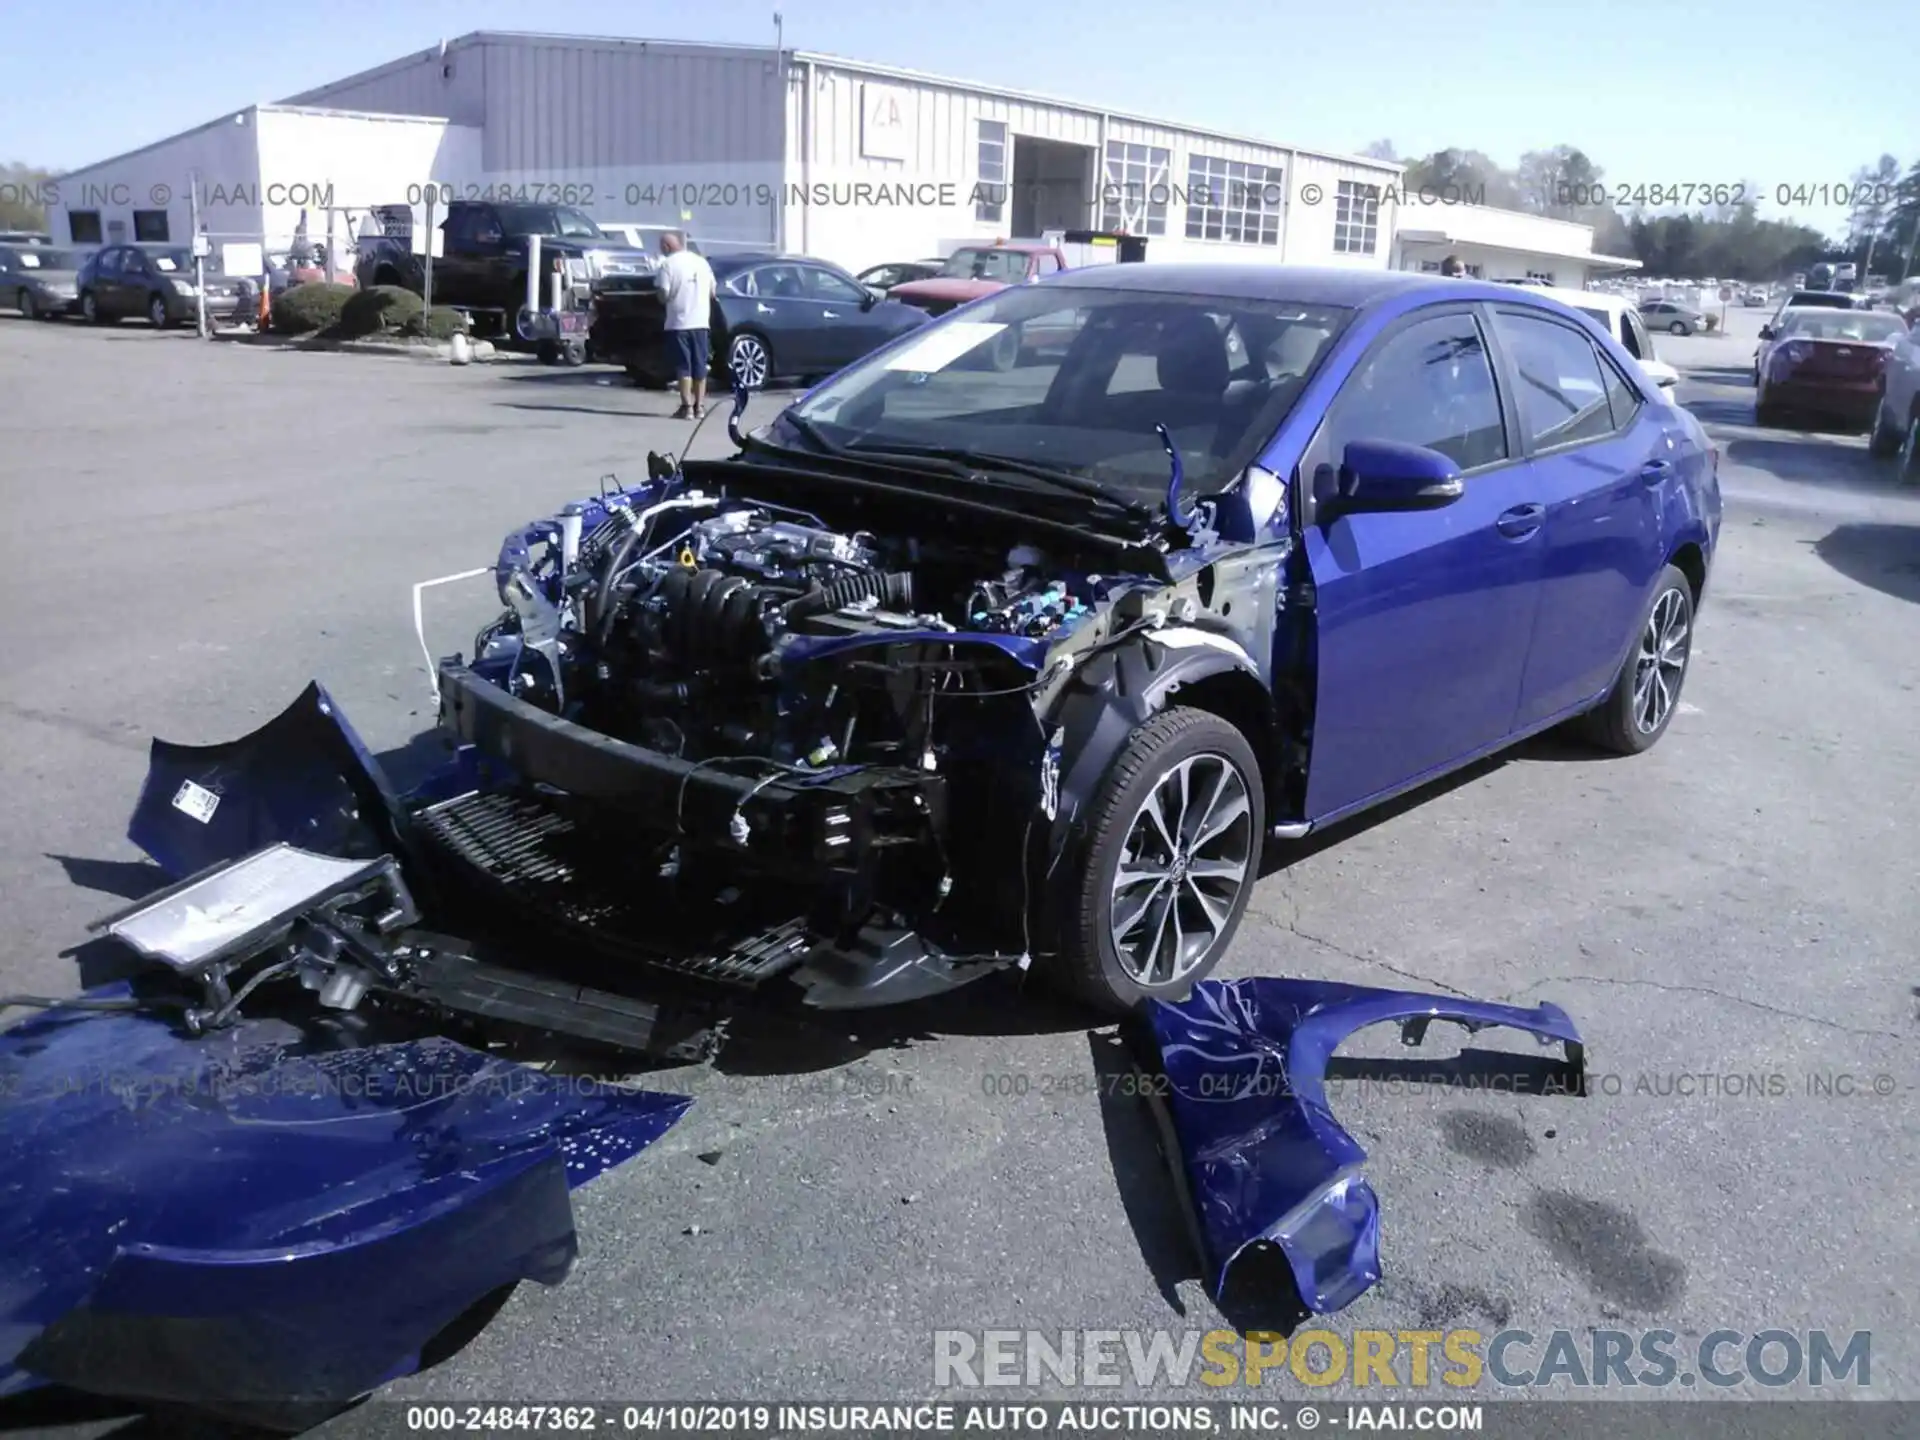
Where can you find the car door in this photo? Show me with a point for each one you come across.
(849, 327)
(781, 310)
(1603, 459)
(106, 283)
(1423, 618)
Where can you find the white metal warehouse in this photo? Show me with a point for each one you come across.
(852, 162)
(784, 149)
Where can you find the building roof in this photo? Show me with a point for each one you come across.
(838, 62)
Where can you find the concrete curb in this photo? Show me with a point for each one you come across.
(406, 349)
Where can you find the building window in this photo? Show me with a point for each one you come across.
(1227, 200)
(990, 194)
(1135, 199)
(1356, 218)
(83, 227)
(150, 227)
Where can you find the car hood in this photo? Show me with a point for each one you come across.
(954, 290)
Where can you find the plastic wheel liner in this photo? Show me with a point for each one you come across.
(262, 1224)
(1259, 1151)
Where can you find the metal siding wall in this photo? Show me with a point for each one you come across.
(413, 88)
(226, 157)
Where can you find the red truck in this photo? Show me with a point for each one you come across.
(977, 270)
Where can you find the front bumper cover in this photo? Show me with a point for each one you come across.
(1242, 1070)
(262, 1224)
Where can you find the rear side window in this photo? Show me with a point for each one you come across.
(1429, 384)
(1562, 389)
(1622, 399)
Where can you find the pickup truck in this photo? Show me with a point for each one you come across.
(483, 265)
(976, 270)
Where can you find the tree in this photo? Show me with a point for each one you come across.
(1875, 190)
(1380, 150)
(1463, 175)
(1562, 183)
(20, 208)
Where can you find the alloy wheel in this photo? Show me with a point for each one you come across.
(1189, 852)
(27, 311)
(90, 307)
(747, 359)
(1909, 470)
(157, 313)
(1661, 663)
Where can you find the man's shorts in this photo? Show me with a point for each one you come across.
(688, 352)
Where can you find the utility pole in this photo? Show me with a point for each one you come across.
(199, 259)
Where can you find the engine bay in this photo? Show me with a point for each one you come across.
(709, 627)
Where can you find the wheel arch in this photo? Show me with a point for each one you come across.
(1690, 559)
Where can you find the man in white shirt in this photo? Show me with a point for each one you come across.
(685, 285)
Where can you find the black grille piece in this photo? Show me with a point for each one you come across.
(552, 869)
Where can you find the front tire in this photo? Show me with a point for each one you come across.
(1885, 437)
(749, 360)
(157, 313)
(90, 309)
(1646, 692)
(1907, 471)
(1680, 327)
(1172, 852)
(28, 311)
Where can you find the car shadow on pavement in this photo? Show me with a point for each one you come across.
(1803, 464)
(1883, 557)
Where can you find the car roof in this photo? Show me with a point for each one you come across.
(1300, 284)
(741, 260)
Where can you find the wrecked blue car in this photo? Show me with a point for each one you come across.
(961, 665)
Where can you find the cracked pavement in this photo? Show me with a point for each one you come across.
(1738, 904)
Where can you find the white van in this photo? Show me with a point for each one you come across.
(1617, 315)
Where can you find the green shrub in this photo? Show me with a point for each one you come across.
(439, 325)
(1712, 323)
(383, 309)
(309, 309)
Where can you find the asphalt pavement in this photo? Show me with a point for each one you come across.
(194, 531)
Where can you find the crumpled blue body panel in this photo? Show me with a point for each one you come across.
(1262, 1155)
(253, 1218)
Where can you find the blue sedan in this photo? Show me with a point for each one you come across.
(1404, 522)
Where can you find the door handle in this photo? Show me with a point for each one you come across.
(1521, 521)
(828, 315)
(763, 309)
(1654, 471)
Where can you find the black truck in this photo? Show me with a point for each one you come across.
(482, 267)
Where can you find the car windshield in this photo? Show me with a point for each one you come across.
(170, 262)
(558, 220)
(1829, 301)
(1077, 380)
(1864, 326)
(1003, 265)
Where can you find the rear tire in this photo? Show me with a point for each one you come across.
(1907, 471)
(749, 361)
(1185, 777)
(1646, 692)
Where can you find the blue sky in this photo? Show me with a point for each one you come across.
(1706, 92)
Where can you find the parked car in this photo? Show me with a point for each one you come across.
(977, 270)
(1896, 421)
(774, 317)
(1621, 321)
(1827, 363)
(25, 237)
(1673, 317)
(39, 281)
(483, 265)
(154, 281)
(898, 272)
(1796, 300)
(1755, 295)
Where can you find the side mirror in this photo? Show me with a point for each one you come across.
(1766, 332)
(873, 297)
(1378, 477)
(1666, 382)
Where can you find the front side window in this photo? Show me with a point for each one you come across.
(1134, 201)
(1007, 267)
(1356, 218)
(1096, 371)
(1562, 391)
(825, 285)
(1429, 384)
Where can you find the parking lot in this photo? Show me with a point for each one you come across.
(196, 530)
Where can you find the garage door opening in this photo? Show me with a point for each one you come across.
(1052, 186)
